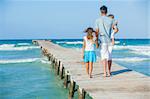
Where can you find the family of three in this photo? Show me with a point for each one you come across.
(105, 28)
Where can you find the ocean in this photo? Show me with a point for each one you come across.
(26, 74)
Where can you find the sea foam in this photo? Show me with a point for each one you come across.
(141, 50)
(45, 61)
(10, 47)
(75, 42)
(7, 45)
(23, 44)
(131, 59)
(28, 60)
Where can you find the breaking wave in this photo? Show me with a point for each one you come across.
(75, 42)
(23, 44)
(10, 47)
(141, 50)
(27, 60)
(131, 59)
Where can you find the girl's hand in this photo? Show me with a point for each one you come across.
(97, 44)
(83, 56)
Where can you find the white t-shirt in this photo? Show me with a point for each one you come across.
(89, 44)
(104, 24)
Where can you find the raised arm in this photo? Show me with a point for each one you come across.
(97, 32)
(114, 26)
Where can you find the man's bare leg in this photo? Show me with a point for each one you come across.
(109, 67)
(104, 62)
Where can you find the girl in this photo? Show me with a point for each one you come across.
(89, 54)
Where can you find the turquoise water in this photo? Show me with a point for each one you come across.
(131, 53)
(26, 74)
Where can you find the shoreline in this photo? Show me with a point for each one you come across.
(70, 39)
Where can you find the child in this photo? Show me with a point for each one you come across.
(115, 26)
(89, 54)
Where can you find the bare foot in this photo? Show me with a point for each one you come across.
(108, 75)
(91, 76)
(104, 75)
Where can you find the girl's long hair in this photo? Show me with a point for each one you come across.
(89, 35)
(89, 32)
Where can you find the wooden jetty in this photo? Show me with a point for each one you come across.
(124, 83)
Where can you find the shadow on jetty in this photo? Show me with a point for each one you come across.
(120, 71)
(113, 73)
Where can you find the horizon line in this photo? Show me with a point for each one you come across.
(63, 38)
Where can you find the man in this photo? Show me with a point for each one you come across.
(103, 27)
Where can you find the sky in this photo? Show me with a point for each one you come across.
(148, 18)
(67, 19)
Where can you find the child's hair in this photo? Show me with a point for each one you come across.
(111, 15)
(89, 32)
